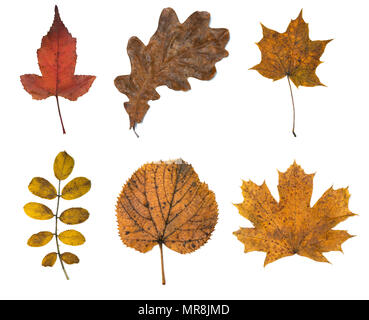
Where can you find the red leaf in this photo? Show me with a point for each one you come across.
(57, 61)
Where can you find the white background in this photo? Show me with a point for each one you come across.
(236, 126)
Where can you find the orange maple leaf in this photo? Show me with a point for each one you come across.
(57, 61)
(291, 54)
(292, 226)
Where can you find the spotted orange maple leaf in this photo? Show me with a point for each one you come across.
(57, 61)
(291, 54)
(292, 226)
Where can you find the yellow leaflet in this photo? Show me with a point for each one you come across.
(63, 165)
(40, 239)
(72, 238)
(76, 188)
(69, 258)
(49, 259)
(74, 216)
(38, 211)
(42, 188)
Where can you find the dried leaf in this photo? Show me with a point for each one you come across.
(291, 54)
(292, 226)
(74, 216)
(40, 239)
(165, 203)
(69, 258)
(72, 238)
(57, 61)
(49, 259)
(175, 52)
(42, 188)
(63, 165)
(38, 211)
(76, 188)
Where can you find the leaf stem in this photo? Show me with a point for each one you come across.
(60, 116)
(134, 130)
(162, 263)
(293, 106)
(56, 233)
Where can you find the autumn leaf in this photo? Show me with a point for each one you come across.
(57, 61)
(292, 226)
(49, 260)
(76, 188)
(175, 52)
(42, 188)
(38, 211)
(63, 167)
(74, 216)
(291, 54)
(40, 239)
(165, 203)
(72, 238)
(69, 258)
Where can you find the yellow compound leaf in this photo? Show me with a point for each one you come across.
(76, 188)
(63, 165)
(292, 226)
(38, 211)
(49, 259)
(165, 203)
(69, 258)
(40, 239)
(42, 188)
(72, 238)
(74, 216)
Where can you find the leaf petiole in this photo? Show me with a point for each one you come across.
(134, 130)
(293, 106)
(162, 263)
(60, 116)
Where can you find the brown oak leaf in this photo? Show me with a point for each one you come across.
(292, 226)
(291, 54)
(165, 203)
(175, 52)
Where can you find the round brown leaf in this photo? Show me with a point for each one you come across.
(76, 188)
(165, 203)
(69, 258)
(40, 239)
(38, 211)
(49, 259)
(42, 188)
(74, 216)
(63, 165)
